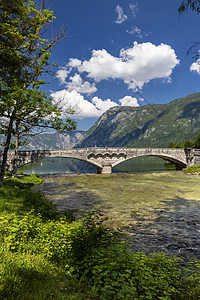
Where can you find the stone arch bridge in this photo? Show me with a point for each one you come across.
(106, 158)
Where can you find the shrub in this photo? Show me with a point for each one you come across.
(192, 169)
(117, 273)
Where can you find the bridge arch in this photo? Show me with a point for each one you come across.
(179, 163)
(26, 157)
(86, 161)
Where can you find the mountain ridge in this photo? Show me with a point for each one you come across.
(152, 125)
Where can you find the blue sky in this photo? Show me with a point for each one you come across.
(117, 48)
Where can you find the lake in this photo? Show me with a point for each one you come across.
(73, 166)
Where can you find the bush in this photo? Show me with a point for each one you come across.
(117, 273)
(95, 261)
(192, 169)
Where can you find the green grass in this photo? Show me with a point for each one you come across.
(43, 255)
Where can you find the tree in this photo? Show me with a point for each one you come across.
(188, 143)
(24, 57)
(171, 145)
(197, 142)
(194, 5)
(179, 144)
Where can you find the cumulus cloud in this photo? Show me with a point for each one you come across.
(74, 100)
(121, 16)
(136, 65)
(84, 108)
(103, 105)
(62, 74)
(74, 62)
(77, 84)
(129, 101)
(196, 67)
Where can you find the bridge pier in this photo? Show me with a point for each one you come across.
(106, 169)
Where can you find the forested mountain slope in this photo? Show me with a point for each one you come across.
(152, 125)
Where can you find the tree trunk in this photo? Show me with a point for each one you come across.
(6, 148)
(14, 171)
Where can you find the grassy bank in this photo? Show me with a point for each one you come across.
(47, 255)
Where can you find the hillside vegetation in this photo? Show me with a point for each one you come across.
(152, 125)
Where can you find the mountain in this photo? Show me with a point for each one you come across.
(52, 140)
(152, 125)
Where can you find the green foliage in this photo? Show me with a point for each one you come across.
(25, 181)
(15, 196)
(117, 273)
(8, 174)
(25, 54)
(95, 261)
(197, 142)
(192, 169)
(51, 258)
(24, 277)
(171, 145)
(188, 143)
(177, 145)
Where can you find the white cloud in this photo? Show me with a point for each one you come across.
(74, 62)
(136, 65)
(62, 74)
(77, 84)
(196, 67)
(74, 100)
(84, 108)
(135, 30)
(134, 8)
(121, 16)
(129, 101)
(103, 105)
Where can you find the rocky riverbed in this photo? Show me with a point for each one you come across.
(157, 211)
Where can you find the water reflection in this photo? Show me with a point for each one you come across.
(71, 166)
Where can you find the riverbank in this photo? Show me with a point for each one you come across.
(47, 255)
(158, 211)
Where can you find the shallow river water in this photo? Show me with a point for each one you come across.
(156, 210)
